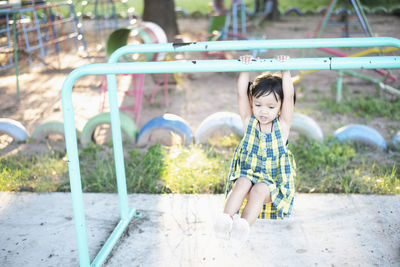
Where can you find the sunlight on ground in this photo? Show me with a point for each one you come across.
(5, 140)
(4, 201)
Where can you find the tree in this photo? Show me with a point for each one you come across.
(267, 9)
(162, 12)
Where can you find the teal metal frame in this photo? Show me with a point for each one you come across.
(112, 68)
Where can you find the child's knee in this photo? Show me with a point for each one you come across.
(242, 184)
(261, 190)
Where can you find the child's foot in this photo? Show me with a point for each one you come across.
(239, 233)
(223, 226)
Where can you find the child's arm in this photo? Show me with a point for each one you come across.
(243, 99)
(288, 99)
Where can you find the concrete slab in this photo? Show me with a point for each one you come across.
(176, 230)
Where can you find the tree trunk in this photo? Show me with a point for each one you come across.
(219, 7)
(162, 12)
(268, 9)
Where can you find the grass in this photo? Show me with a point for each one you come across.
(39, 173)
(332, 167)
(361, 105)
(328, 167)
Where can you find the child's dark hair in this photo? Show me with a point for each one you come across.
(266, 84)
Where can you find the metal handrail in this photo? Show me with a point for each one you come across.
(112, 68)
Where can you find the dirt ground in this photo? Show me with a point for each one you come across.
(198, 95)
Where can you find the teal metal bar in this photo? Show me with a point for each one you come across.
(15, 40)
(254, 45)
(111, 69)
(112, 240)
(380, 84)
(339, 85)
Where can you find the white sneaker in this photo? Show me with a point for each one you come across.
(223, 226)
(239, 233)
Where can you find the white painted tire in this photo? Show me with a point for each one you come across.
(305, 125)
(167, 122)
(160, 35)
(216, 121)
(14, 129)
(361, 134)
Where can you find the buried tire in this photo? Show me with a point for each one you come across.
(155, 131)
(128, 127)
(396, 141)
(307, 126)
(216, 121)
(44, 130)
(14, 129)
(361, 134)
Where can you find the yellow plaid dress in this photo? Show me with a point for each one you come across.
(264, 158)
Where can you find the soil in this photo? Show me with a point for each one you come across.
(196, 96)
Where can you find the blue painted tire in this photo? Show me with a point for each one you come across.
(216, 121)
(181, 12)
(14, 129)
(342, 10)
(307, 126)
(128, 127)
(396, 141)
(291, 10)
(169, 122)
(361, 134)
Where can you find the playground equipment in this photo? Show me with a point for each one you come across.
(362, 19)
(42, 26)
(113, 68)
(167, 122)
(34, 29)
(379, 83)
(105, 15)
(147, 33)
(220, 24)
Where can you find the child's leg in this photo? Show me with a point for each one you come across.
(235, 198)
(259, 194)
(223, 223)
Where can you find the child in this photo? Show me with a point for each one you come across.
(262, 173)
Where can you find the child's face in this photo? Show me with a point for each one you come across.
(266, 108)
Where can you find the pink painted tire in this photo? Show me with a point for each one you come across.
(159, 33)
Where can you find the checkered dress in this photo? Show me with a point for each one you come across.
(263, 158)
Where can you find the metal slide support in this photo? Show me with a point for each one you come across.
(111, 69)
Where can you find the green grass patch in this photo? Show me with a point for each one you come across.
(34, 173)
(363, 106)
(328, 167)
(194, 169)
(333, 167)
